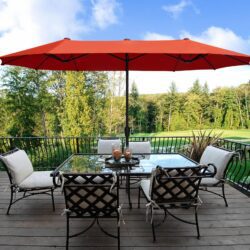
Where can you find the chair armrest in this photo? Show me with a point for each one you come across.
(211, 170)
(57, 178)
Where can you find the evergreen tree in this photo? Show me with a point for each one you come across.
(97, 98)
(115, 105)
(196, 88)
(134, 108)
(171, 103)
(5, 115)
(151, 117)
(21, 93)
(75, 117)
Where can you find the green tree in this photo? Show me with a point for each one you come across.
(171, 103)
(5, 116)
(196, 88)
(151, 117)
(97, 97)
(21, 92)
(192, 110)
(75, 118)
(115, 119)
(134, 108)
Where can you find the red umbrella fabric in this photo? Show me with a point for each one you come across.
(168, 55)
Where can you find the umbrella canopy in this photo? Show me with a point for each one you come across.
(165, 55)
(168, 55)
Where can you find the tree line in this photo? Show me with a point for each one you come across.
(48, 103)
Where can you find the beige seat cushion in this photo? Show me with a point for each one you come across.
(209, 181)
(19, 165)
(219, 157)
(39, 179)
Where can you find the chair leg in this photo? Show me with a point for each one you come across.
(67, 233)
(139, 198)
(223, 194)
(11, 199)
(152, 225)
(52, 197)
(118, 235)
(197, 223)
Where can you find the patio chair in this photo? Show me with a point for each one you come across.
(105, 145)
(173, 188)
(221, 159)
(140, 147)
(23, 178)
(92, 196)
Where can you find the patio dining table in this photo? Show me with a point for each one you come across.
(94, 163)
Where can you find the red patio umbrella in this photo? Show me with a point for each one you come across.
(165, 55)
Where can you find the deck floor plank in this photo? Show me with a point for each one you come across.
(33, 225)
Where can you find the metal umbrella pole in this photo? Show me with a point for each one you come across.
(127, 129)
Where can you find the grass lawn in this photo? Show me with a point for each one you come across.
(242, 135)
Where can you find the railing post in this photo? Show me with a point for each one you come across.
(77, 145)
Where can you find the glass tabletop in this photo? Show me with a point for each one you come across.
(82, 163)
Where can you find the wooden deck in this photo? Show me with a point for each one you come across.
(33, 225)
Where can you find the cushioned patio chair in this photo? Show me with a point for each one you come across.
(140, 147)
(23, 179)
(221, 159)
(91, 196)
(105, 145)
(173, 188)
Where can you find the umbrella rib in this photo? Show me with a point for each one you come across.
(41, 63)
(209, 63)
(129, 59)
(185, 60)
(66, 60)
(117, 57)
(177, 62)
(237, 59)
(136, 57)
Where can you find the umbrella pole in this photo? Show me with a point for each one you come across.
(127, 129)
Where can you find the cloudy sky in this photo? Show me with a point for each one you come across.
(224, 23)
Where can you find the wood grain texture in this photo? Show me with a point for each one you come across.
(33, 225)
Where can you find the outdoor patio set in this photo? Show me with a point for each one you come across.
(91, 183)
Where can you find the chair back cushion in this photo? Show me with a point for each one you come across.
(19, 165)
(176, 184)
(140, 147)
(105, 146)
(91, 195)
(219, 157)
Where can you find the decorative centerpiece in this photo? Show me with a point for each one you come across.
(120, 161)
(116, 153)
(127, 154)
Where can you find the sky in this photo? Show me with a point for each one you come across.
(223, 23)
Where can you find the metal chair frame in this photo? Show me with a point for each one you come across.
(83, 187)
(221, 182)
(174, 188)
(27, 192)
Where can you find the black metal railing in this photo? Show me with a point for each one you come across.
(46, 153)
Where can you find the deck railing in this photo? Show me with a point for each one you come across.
(47, 153)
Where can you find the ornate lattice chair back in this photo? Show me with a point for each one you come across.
(176, 185)
(172, 188)
(91, 195)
